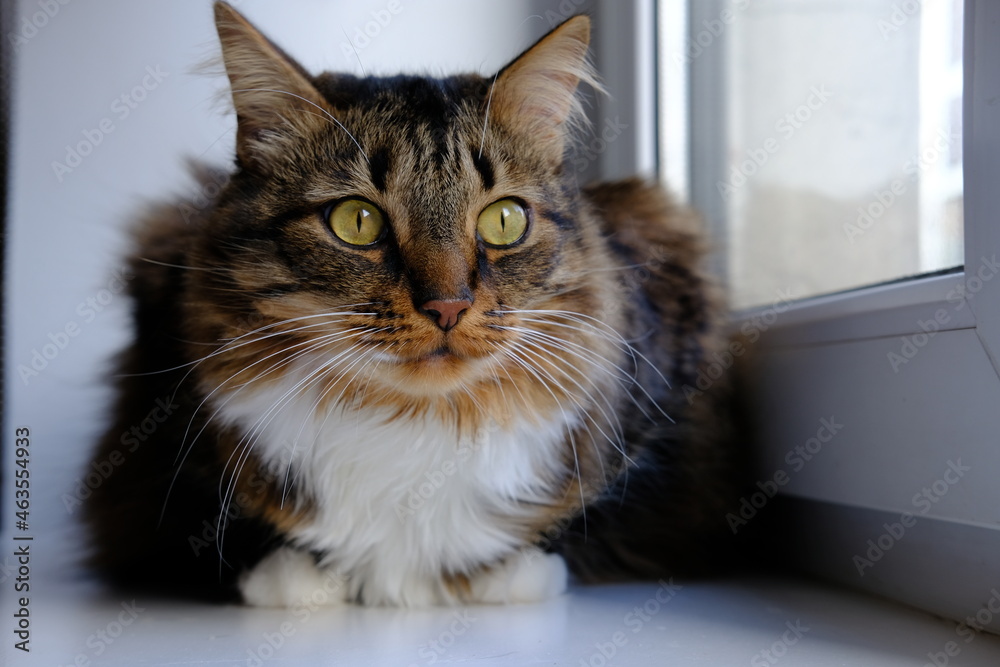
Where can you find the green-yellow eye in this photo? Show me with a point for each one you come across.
(502, 223)
(357, 222)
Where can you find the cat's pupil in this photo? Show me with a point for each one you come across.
(360, 213)
(503, 220)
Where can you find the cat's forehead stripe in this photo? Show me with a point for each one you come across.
(379, 167)
(485, 168)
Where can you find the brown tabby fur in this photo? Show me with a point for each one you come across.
(217, 297)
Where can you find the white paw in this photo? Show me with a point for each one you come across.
(528, 576)
(288, 577)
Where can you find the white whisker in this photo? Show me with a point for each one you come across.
(322, 110)
(310, 345)
(486, 121)
(616, 442)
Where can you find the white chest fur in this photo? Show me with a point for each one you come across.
(399, 501)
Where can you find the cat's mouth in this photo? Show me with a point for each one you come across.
(436, 367)
(437, 356)
(442, 352)
(431, 371)
(438, 353)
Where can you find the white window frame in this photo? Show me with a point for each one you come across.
(939, 406)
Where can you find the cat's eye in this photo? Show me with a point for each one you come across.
(357, 222)
(502, 223)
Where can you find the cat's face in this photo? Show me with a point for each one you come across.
(401, 232)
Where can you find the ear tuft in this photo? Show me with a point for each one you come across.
(537, 93)
(272, 94)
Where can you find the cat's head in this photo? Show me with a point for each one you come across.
(402, 234)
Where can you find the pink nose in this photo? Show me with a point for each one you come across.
(446, 313)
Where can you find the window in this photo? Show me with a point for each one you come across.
(837, 130)
(801, 117)
(843, 137)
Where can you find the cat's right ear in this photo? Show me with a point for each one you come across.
(536, 93)
(273, 96)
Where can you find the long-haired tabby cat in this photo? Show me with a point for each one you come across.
(403, 350)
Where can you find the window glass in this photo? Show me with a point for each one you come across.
(842, 122)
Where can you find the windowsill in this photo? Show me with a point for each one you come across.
(874, 312)
(725, 623)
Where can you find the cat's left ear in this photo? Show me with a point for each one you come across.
(535, 95)
(273, 96)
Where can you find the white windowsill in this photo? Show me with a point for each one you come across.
(872, 312)
(710, 624)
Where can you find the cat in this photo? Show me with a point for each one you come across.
(407, 360)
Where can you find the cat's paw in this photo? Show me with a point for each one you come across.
(289, 577)
(528, 576)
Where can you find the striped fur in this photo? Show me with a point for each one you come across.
(328, 429)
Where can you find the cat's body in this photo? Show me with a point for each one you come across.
(410, 404)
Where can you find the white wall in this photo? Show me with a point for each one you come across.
(65, 238)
